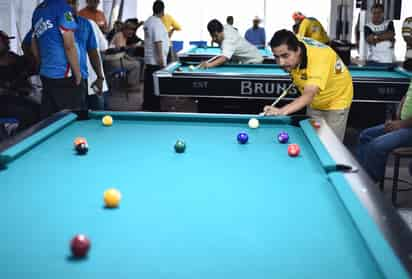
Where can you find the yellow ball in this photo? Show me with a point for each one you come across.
(112, 198)
(107, 120)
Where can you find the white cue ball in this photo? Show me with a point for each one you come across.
(191, 68)
(253, 123)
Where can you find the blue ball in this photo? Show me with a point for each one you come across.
(283, 137)
(242, 138)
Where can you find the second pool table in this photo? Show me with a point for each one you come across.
(199, 54)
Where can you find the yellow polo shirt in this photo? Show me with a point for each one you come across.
(169, 22)
(322, 67)
(312, 28)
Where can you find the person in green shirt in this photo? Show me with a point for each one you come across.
(377, 142)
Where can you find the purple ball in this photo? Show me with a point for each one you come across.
(242, 138)
(283, 137)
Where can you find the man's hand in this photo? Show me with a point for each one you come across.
(77, 79)
(269, 110)
(98, 84)
(204, 65)
(394, 125)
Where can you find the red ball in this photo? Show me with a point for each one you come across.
(315, 124)
(293, 150)
(80, 245)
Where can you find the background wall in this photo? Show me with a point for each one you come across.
(193, 15)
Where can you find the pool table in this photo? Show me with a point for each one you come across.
(267, 81)
(219, 210)
(199, 54)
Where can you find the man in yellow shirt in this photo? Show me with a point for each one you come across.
(171, 26)
(320, 76)
(309, 27)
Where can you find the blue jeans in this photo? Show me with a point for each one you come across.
(375, 145)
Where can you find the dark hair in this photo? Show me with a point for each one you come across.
(158, 7)
(229, 18)
(378, 6)
(214, 26)
(132, 20)
(286, 37)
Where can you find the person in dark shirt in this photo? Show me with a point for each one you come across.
(15, 87)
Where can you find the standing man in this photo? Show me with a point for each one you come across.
(407, 36)
(88, 50)
(309, 27)
(156, 48)
(230, 21)
(234, 46)
(256, 35)
(54, 49)
(91, 12)
(319, 74)
(380, 37)
(171, 26)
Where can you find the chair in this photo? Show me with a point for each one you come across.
(398, 154)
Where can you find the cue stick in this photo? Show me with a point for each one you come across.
(208, 61)
(284, 93)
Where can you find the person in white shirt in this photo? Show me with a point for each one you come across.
(156, 48)
(95, 101)
(380, 37)
(234, 47)
(407, 36)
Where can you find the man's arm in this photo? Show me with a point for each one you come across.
(217, 62)
(35, 51)
(159, 53)
(387, 36)
(305, 99)
(175, 27)
(97, 67)
(71, 53)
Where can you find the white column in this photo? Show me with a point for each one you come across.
(362, 41)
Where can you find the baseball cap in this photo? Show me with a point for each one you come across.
(297, 15)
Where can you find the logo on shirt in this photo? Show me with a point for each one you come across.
(313, 42)
(42, 26)
(339, 66)
(68, 16)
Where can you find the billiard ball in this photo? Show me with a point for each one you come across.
(315, 124)
(79, 140)
(191, 68)
(283, 137)
(112, 198)
(107, 120)
(180, 146)
(293, 150)
(253, 123)
(82, 148)
(242, 138)
(79, 246)
(179, 69)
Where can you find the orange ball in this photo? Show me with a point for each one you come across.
(79, 140)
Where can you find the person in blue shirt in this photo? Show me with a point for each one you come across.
(87, 46)
(256, 35)
(54, 48)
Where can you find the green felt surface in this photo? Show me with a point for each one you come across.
(219, 210)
